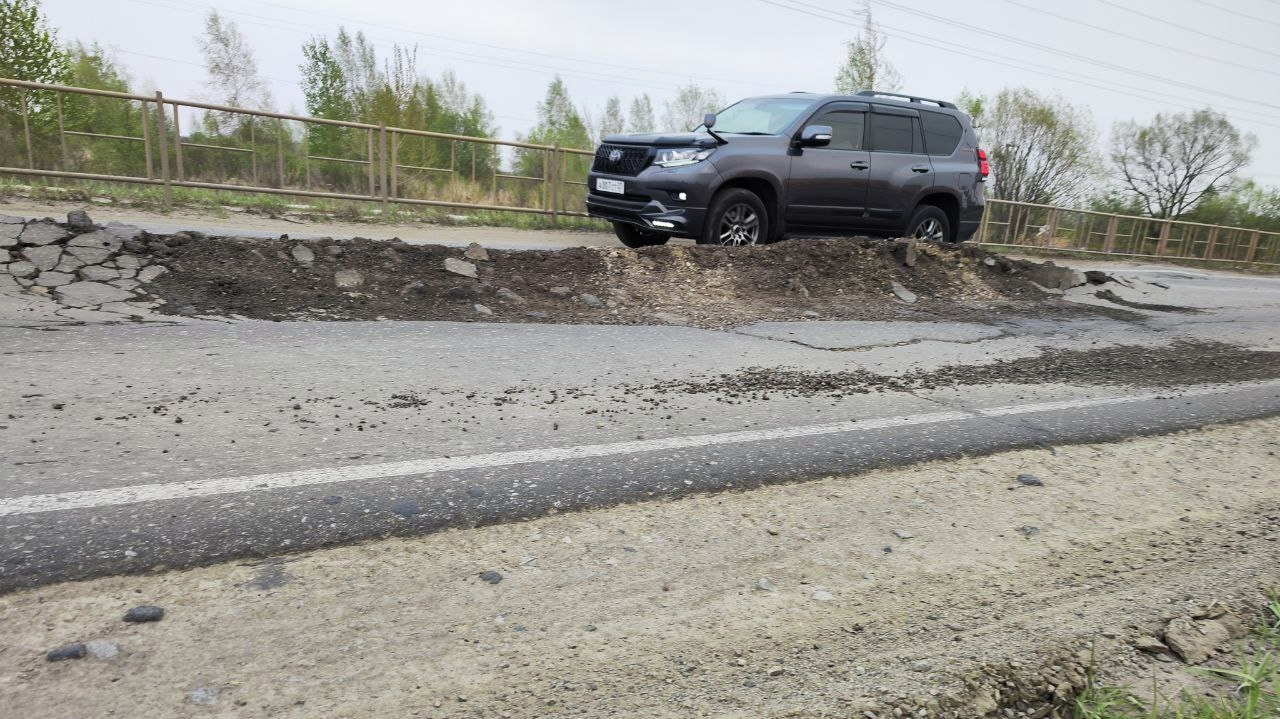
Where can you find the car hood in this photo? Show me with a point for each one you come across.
(664, 139)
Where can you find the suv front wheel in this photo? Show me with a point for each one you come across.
(636, 237)
(736, 217)
(929, 223)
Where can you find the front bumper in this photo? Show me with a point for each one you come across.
(652, 199)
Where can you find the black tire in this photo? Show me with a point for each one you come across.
(635, 237)
(929, 223)
(736, 217)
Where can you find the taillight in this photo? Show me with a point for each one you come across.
(984, 167)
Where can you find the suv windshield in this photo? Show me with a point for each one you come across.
(760, 116)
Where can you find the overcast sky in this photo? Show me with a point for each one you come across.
(508, 50)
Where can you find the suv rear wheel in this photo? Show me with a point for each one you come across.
(635, 237)
(929, 223)
(736, 217)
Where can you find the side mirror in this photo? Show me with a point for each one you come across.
(816, 136)
(709, 120)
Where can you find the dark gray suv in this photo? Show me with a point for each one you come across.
(872, 163)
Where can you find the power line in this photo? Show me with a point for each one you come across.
(1016, 63)
(982, 32)
(1233, 11)
(1153, 43)
(1219, 38)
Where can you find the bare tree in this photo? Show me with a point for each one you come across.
(641, 117)
(233, 72)
(866, 67)
(685, 111)
(612, 123)
(1042, 147)
(1178, 159)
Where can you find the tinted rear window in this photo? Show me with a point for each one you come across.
(892, 133)
(941, 133)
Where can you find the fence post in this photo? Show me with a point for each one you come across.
(1109, 245)
(395, 164)
(146, 138)
(26, 128)
(1253, 246)
(1166, 227)
(1213, 240)
(62, 134)
(373, 191)
(177, 143)
(382, 163)
(555, 184)
(164, 150)
(1051, 228)
(280, 153)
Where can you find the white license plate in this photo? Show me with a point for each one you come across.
(617, 187)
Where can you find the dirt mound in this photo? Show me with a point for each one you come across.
(285, 279)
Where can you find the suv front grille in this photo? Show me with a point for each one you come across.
(620, 160)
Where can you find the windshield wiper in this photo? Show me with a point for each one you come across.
(731, 132)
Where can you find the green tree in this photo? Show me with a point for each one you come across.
(684, 112)
(29, 51)
(866, 67)
(1041, 147)
(612, 122)
(324, 86)
(558, 124)
(1244, 204)
(94, 67)
(233, 74)
(640, 119)
(1170, 164)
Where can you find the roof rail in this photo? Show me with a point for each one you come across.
(908, 98)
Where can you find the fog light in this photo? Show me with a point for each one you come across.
(663, 223)
(681, 196)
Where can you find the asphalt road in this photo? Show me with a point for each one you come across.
(131, 447)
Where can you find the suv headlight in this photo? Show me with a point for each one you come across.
(680, 156)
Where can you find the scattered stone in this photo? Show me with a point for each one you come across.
(811, 314)
(101, 239)
(483, 310)
(590, 300)
(89, 255)
(103, 649)
(476, 253)
(1028, 531)
(39, 290)
(538, 315)
(460, 267)
(671, 319)
(121, 231)
(775, 671)
(203, 695)
(1195, 641)
(406, 508)
(144, 613)
(561, 291)
(91, 294)
(332, 499)
(903, 293)
(70, 651)
(302, 254)
(1030, 480)
(902, 534)
(822, 595)
(44, 258)
(129, 262)
(989, 261)
(764, 585)
(906, 251)
(475, 492)
(79, 220)
(460, 293)
(490, 576)
(921, 665)
(149, 274)
(98, 273)
(348, 279)
(507, 295)
(55, 279)
(1150, 645)
(21, 268)
(42, 232)
(125, 284)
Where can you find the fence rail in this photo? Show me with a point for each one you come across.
(59, 132)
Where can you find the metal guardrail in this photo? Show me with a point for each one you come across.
(272, 153)
(1044, 227)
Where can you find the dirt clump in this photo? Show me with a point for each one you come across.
(362, 279)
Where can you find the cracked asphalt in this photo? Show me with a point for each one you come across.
(137, 445)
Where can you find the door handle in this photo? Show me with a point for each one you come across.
(860, 164)
(920, 168)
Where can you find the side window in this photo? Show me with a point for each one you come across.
(892, 133)
(941, 133)
(846, 128)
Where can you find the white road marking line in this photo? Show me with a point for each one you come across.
(34, 504)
